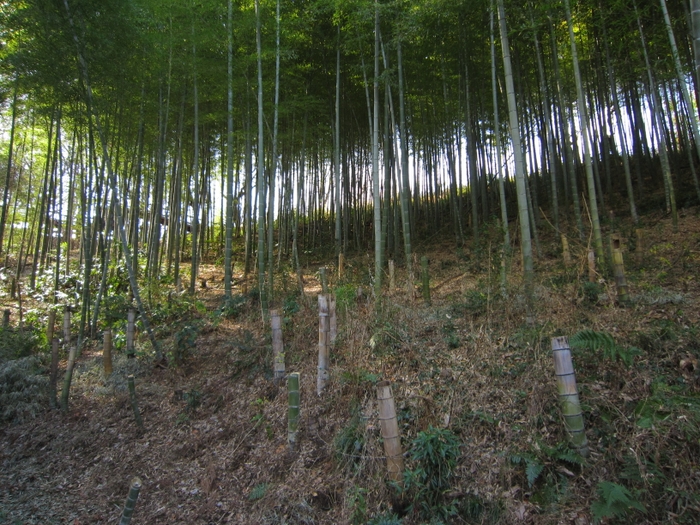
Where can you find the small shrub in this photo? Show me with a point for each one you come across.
(185, 342)
(590, 292)
(349, 444)
(614, 501)
(20, 342)
(434, 452)
(385, 519)
(23, 389)
(592, 340)
(258, 492)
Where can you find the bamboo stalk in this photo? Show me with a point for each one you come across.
(425, 278)
(53, 401)
(67, 379)
(619, 272)
(341, 266)
(130, 330)
(107, 353)
(66, 327)
(333, 321)
(591, 266)
(6, 319)
(392, 275)
(323, 337)
(568, 395)
(293, 409)
(130, 503)
(565, 250)
(50, 324)
(324, 279)
(134, 404)
(277, 345)
(390, 431)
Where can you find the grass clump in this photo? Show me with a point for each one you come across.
(23, 389)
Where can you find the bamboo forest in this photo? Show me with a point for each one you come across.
(349, 262)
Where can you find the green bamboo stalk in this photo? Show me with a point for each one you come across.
(67, 380)
(130, 503)
(53, 402)
(107, 353)
(134, 404)
(426, 279)
(293, 411)
(568, 395)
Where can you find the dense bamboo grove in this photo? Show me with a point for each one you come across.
(149, 135)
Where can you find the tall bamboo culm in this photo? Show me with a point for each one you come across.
(293, 409)
(130, 329)
(53, 374)
(390, 431)
(50, 324)
(66, 327)
(323, 343)
(107, 353)
(277, 345)
(568, 394)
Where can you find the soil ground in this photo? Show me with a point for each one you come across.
(214, 444)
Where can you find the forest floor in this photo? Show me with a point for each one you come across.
(214, 444)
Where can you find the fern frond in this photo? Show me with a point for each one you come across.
(592, 340)
(258, 492)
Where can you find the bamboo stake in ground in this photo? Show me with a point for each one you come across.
(619, 271)
(134, 404)
(390, 431)
(333, 321)
(107, 353)
(293, 409)
(392, 275)
(66, 327)
(568, 394)
(53, 401)
(591, 266)
(50, 324)
(565, 250)
(130, 329)
(130, 503)
(425, 278)
(277, 345)
(67, 379)
(323, 340)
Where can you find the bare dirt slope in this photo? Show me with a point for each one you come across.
(214, 447)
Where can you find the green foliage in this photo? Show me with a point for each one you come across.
(23, 388)
(20, 342)
(590, 292)
(114, 309)
(476, 510)
(258, 492)
(385, 519)
(614, 501)
(192, 399)
(345, 297)
(349, 444)
(358, 504)
(233, 307)
(542, 462)
(451, 336)
(185, 342)
(434, 452)
(533, 467)
(592, 340)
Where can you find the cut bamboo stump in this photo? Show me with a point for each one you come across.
(107, 353)
(323, 343)
(134, 403)
(66, 327)
(130, 503)
(50, 325)
(130, 331)
(619, 272)
(53, 377)
(390, 431)
(293, 409)
(392, 275)
(425, 277)
(333, 321)
(591, 266)
(565, 250)
(341, 266)
(67, 379)
(568, 394)
(277, 346)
